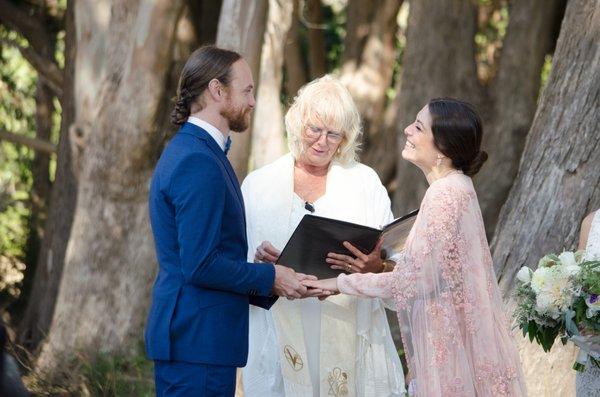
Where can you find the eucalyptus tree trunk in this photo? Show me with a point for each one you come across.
(312, 16)
(432, 68)
(368, 61)
(241, 28)
(557, 183)
(110, 260)
(441, 62)
(268, 142)
(512, 99)
(36, 319)
(294, 62)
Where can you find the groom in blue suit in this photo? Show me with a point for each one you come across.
(197, 330)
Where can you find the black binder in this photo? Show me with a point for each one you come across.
(316, 236)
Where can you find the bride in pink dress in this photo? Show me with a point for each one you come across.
(454, 329)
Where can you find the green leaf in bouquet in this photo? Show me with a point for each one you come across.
(532, 329)
(590, 277)
(524, 328)
(578, 367)
(546, 336)
(580, 307)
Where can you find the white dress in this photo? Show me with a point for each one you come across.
(588, 382)
(307, 348)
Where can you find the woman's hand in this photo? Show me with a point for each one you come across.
(326, 286)
(362, 263)
(265, 252)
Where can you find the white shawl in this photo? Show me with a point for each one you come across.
(376, 370)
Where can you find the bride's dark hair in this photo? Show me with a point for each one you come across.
(457, 133)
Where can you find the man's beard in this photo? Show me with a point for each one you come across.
(237, 118)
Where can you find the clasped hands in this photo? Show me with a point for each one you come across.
(293, 285)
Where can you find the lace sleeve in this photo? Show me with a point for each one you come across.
(369, 285)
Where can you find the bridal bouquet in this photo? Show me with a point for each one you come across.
(561, 297)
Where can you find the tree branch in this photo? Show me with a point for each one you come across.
(23, 19)
(46, 68)
(36, 144)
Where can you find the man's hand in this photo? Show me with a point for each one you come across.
(265, 252)
(312, 292)
(287, 283)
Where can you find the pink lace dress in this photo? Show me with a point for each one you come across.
(454, 330)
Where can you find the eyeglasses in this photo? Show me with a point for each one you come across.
(314, 132)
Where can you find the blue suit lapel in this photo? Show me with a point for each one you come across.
(192, 129)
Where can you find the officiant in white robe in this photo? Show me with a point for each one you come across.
(341, 346)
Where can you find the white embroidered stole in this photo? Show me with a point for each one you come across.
(337, 373)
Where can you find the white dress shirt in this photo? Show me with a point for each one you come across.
(213, 131)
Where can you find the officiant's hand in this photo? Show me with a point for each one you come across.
(362, 263)
(265, 252)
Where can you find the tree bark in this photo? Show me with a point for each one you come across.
(41, 185)
(196, 26)
(241, 28)
(317, 61)
(110, 260)
(358, 26)
(513, 96)
(41, 164)
(204, 16)
(558, 181)
(432, 68)
(294, 62)
(506, 105)
(367, 69)
(48, 270)
(267, 128)
(378, 154)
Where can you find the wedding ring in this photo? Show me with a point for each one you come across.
(348, 267)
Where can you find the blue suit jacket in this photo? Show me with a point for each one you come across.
(199, 310)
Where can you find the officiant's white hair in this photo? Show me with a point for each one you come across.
(325, 101)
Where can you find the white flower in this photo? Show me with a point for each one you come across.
(524, 275)
(572, 270)
(540, 279)
(568, 258)
(545, 304)
(554, 289)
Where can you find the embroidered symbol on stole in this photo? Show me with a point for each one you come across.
(338, 382)
(293, 358)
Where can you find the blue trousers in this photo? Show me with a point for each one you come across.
(179, 379)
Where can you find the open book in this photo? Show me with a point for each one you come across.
(316, 236)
